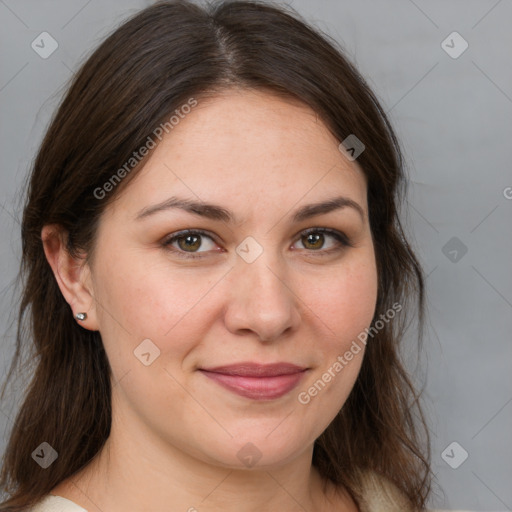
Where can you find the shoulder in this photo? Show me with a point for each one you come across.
(52, 503)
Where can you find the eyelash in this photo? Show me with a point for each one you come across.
(340, 237)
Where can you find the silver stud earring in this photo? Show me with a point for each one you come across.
(81, 316)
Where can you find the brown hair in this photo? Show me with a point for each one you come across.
(134, 80)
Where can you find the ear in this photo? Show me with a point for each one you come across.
(73, 275)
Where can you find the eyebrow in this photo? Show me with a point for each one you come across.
(215, 212)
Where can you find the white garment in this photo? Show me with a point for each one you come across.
(56, 504)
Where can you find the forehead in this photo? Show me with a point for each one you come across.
(247, 146)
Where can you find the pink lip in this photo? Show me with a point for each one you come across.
(257, 381)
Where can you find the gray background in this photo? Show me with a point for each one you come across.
(453, 116)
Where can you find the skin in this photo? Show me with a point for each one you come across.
(175, 433)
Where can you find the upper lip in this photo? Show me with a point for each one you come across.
(248, 369)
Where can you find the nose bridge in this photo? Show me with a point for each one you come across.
(261, 300)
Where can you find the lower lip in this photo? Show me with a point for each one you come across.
(257, 388)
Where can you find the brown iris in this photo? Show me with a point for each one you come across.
(189, 243)
(313, 240)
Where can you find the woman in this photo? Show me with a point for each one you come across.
(216, 280)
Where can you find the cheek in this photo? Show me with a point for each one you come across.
(341, 311)
(149, 298)
(345, 300)
(142, 300)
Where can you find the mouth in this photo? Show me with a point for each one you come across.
(257, 381)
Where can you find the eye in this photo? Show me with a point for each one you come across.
(188, 242)
(192, 243)
(314, 239)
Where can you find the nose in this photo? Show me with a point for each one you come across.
(261, 300)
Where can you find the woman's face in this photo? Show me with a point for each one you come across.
(252, 285)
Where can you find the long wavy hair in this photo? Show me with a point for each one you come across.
(145, 70)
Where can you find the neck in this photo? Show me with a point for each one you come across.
(135, 470)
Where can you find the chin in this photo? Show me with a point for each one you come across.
(257, 450)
